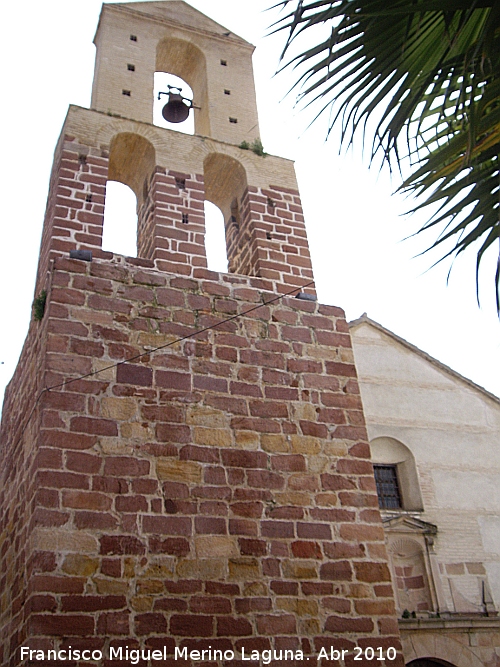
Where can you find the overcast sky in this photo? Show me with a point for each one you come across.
(355, 224)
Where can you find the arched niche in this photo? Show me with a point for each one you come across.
(410, 574)
(187, 61)
(389, 451)
(132, 161)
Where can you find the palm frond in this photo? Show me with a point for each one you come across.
(429, 72)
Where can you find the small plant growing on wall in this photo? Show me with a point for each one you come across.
(256, 147)
(39, 305)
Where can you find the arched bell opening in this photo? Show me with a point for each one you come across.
(132, 161)
(120, 220)
(215, 240)
(186, 61)
(225, 186)
(172, 96)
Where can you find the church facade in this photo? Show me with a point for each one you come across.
(434, 439)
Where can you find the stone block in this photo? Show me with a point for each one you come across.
(178, 471)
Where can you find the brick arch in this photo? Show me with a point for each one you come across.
(187, 61)
(439, 648)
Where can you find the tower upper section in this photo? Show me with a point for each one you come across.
(137, 39)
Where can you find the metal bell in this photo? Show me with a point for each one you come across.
(176, 110)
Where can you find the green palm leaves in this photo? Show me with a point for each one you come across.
(428, 72)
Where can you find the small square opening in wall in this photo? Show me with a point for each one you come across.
(127, 93)
(133, 38)
(180, 183)
(223, 63)
(185, 218)
(130, 67)
(227, 92)
(233, 120)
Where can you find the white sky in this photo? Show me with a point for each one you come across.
(354, 223)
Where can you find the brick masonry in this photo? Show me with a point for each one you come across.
(219, 489)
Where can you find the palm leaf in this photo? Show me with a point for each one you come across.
(429, 72)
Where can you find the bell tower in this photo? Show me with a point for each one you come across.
(137, 39)
(185, 465)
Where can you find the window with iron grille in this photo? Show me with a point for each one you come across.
(386, 479)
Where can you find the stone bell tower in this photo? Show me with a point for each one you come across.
(184, 457)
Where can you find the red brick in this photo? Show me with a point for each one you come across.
(133, 374)
(250, 547)
(228, 626)
(171, 380)
(125, 466)
(61, 480)
(289, 463)
(244, 459)
(86, 500)
(167, 525)
(55, 584)
(147, 624)
(276, 625)
(249, 509)
(336, 571)
(277, 529)
(319, 531)
(121, 544)
(95, 520)
(174, 546)
(115, 623)
(354, 625)
(43, 561)
(305, 549)
(285, 588)
(131, 504)
(59, 625)
(210, 605)
(191, 626)
(93, 426)
(92, 602)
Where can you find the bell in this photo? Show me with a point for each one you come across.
(175, 110)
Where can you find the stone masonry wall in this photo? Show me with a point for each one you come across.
(216, 492)
(20, 458)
